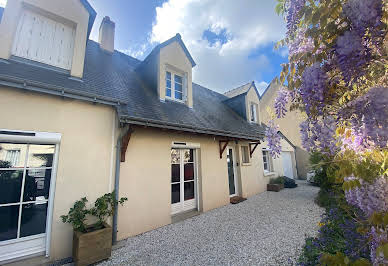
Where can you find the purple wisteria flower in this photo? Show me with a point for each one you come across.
(281, 102)
(363, 14)
(273, 139)
(293, 9)
(352, 55)
(313, 89)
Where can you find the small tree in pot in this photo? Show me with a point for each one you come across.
(92, 242)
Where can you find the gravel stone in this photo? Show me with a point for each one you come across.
(267, 229)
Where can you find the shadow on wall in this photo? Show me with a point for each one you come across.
(302, 162)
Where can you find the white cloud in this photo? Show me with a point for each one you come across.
(137, 52)
(261, 86)
(249, 24)
(3, 3)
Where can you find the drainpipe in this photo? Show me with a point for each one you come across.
(123, 131)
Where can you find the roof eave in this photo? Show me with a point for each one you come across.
(179, 127)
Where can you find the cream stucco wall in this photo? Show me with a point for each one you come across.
(289, 126)
(173, 57)
(85, 155)
(252, 98)
(70, 11)
(145, 178)
(277, 163)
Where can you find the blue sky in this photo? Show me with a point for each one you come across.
(231, 41)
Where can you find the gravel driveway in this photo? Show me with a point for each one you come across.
(266, 229)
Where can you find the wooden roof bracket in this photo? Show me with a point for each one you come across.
(124, 143)
(222, 145)
(251, 150)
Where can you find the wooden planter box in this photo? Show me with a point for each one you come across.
(275, 187)
(92, 247)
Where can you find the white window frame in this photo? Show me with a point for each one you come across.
(269, 162)
(184, 85)
(253, 112)
(14, 248)
(243, 155)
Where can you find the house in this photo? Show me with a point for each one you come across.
(80, 119)
(254, 112)
(288, 125)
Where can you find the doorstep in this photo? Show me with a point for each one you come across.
(176, 218)
(237, 199)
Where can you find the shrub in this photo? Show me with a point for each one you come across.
(289, 182)
(277, 180)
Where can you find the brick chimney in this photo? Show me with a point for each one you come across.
(107, 35)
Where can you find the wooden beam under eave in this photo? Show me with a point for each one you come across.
(222, 146)
(124, 144)
(251, 150)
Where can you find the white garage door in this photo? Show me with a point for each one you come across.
(44, 40)
(287, 164)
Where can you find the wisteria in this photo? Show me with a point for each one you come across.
(363, 14)
(293, 16)
(281, 102)
(273, 139)
(313, 88)
(338, 76)
(352, 55)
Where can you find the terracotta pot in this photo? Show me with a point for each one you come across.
(275, 187)
(92, 247)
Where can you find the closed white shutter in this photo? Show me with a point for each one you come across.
(44, 40)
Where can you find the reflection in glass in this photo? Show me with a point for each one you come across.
(37, 184)
(189, 155)
(175, 157)
(41, 155)
(33, 219)
(9, 222)
(175, 193)
(189, 171)
(10, 186)
(175, 173)
(12, 155)
(189, 190)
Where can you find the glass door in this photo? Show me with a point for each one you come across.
(25, 176)
(183, 180)
(231, 172)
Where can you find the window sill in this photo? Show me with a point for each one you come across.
(246, 164)
(269, 173)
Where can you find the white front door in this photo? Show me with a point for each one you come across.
(287, 164)
(26, 173)
(232, 176)
(183, 180)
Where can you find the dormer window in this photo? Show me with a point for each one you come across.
(174, 86)
(253, 112)
(42, 39)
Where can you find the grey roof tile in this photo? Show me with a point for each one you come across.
(113, 76)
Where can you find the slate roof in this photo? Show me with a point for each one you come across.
(239, 90)
(1, 12)
(112, 79)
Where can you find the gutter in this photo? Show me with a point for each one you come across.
(180, 127)
(33, 86)
(123, 131)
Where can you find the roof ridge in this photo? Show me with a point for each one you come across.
(250, 82)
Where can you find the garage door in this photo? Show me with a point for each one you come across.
(287, 164)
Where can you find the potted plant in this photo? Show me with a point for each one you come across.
(275, 184)
(92, 242)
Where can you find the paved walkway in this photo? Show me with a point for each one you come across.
(266, 229)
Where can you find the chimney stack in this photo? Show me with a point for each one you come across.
(107, 35)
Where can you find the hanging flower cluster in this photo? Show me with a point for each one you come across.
(273, 139)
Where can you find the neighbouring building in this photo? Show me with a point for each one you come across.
(288, 125)
(80, 119)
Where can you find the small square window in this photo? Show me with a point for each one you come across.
(245, 154)
(174, 86)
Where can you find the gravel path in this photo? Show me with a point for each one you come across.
(266, 229)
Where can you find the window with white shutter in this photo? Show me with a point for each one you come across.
(44, 40)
